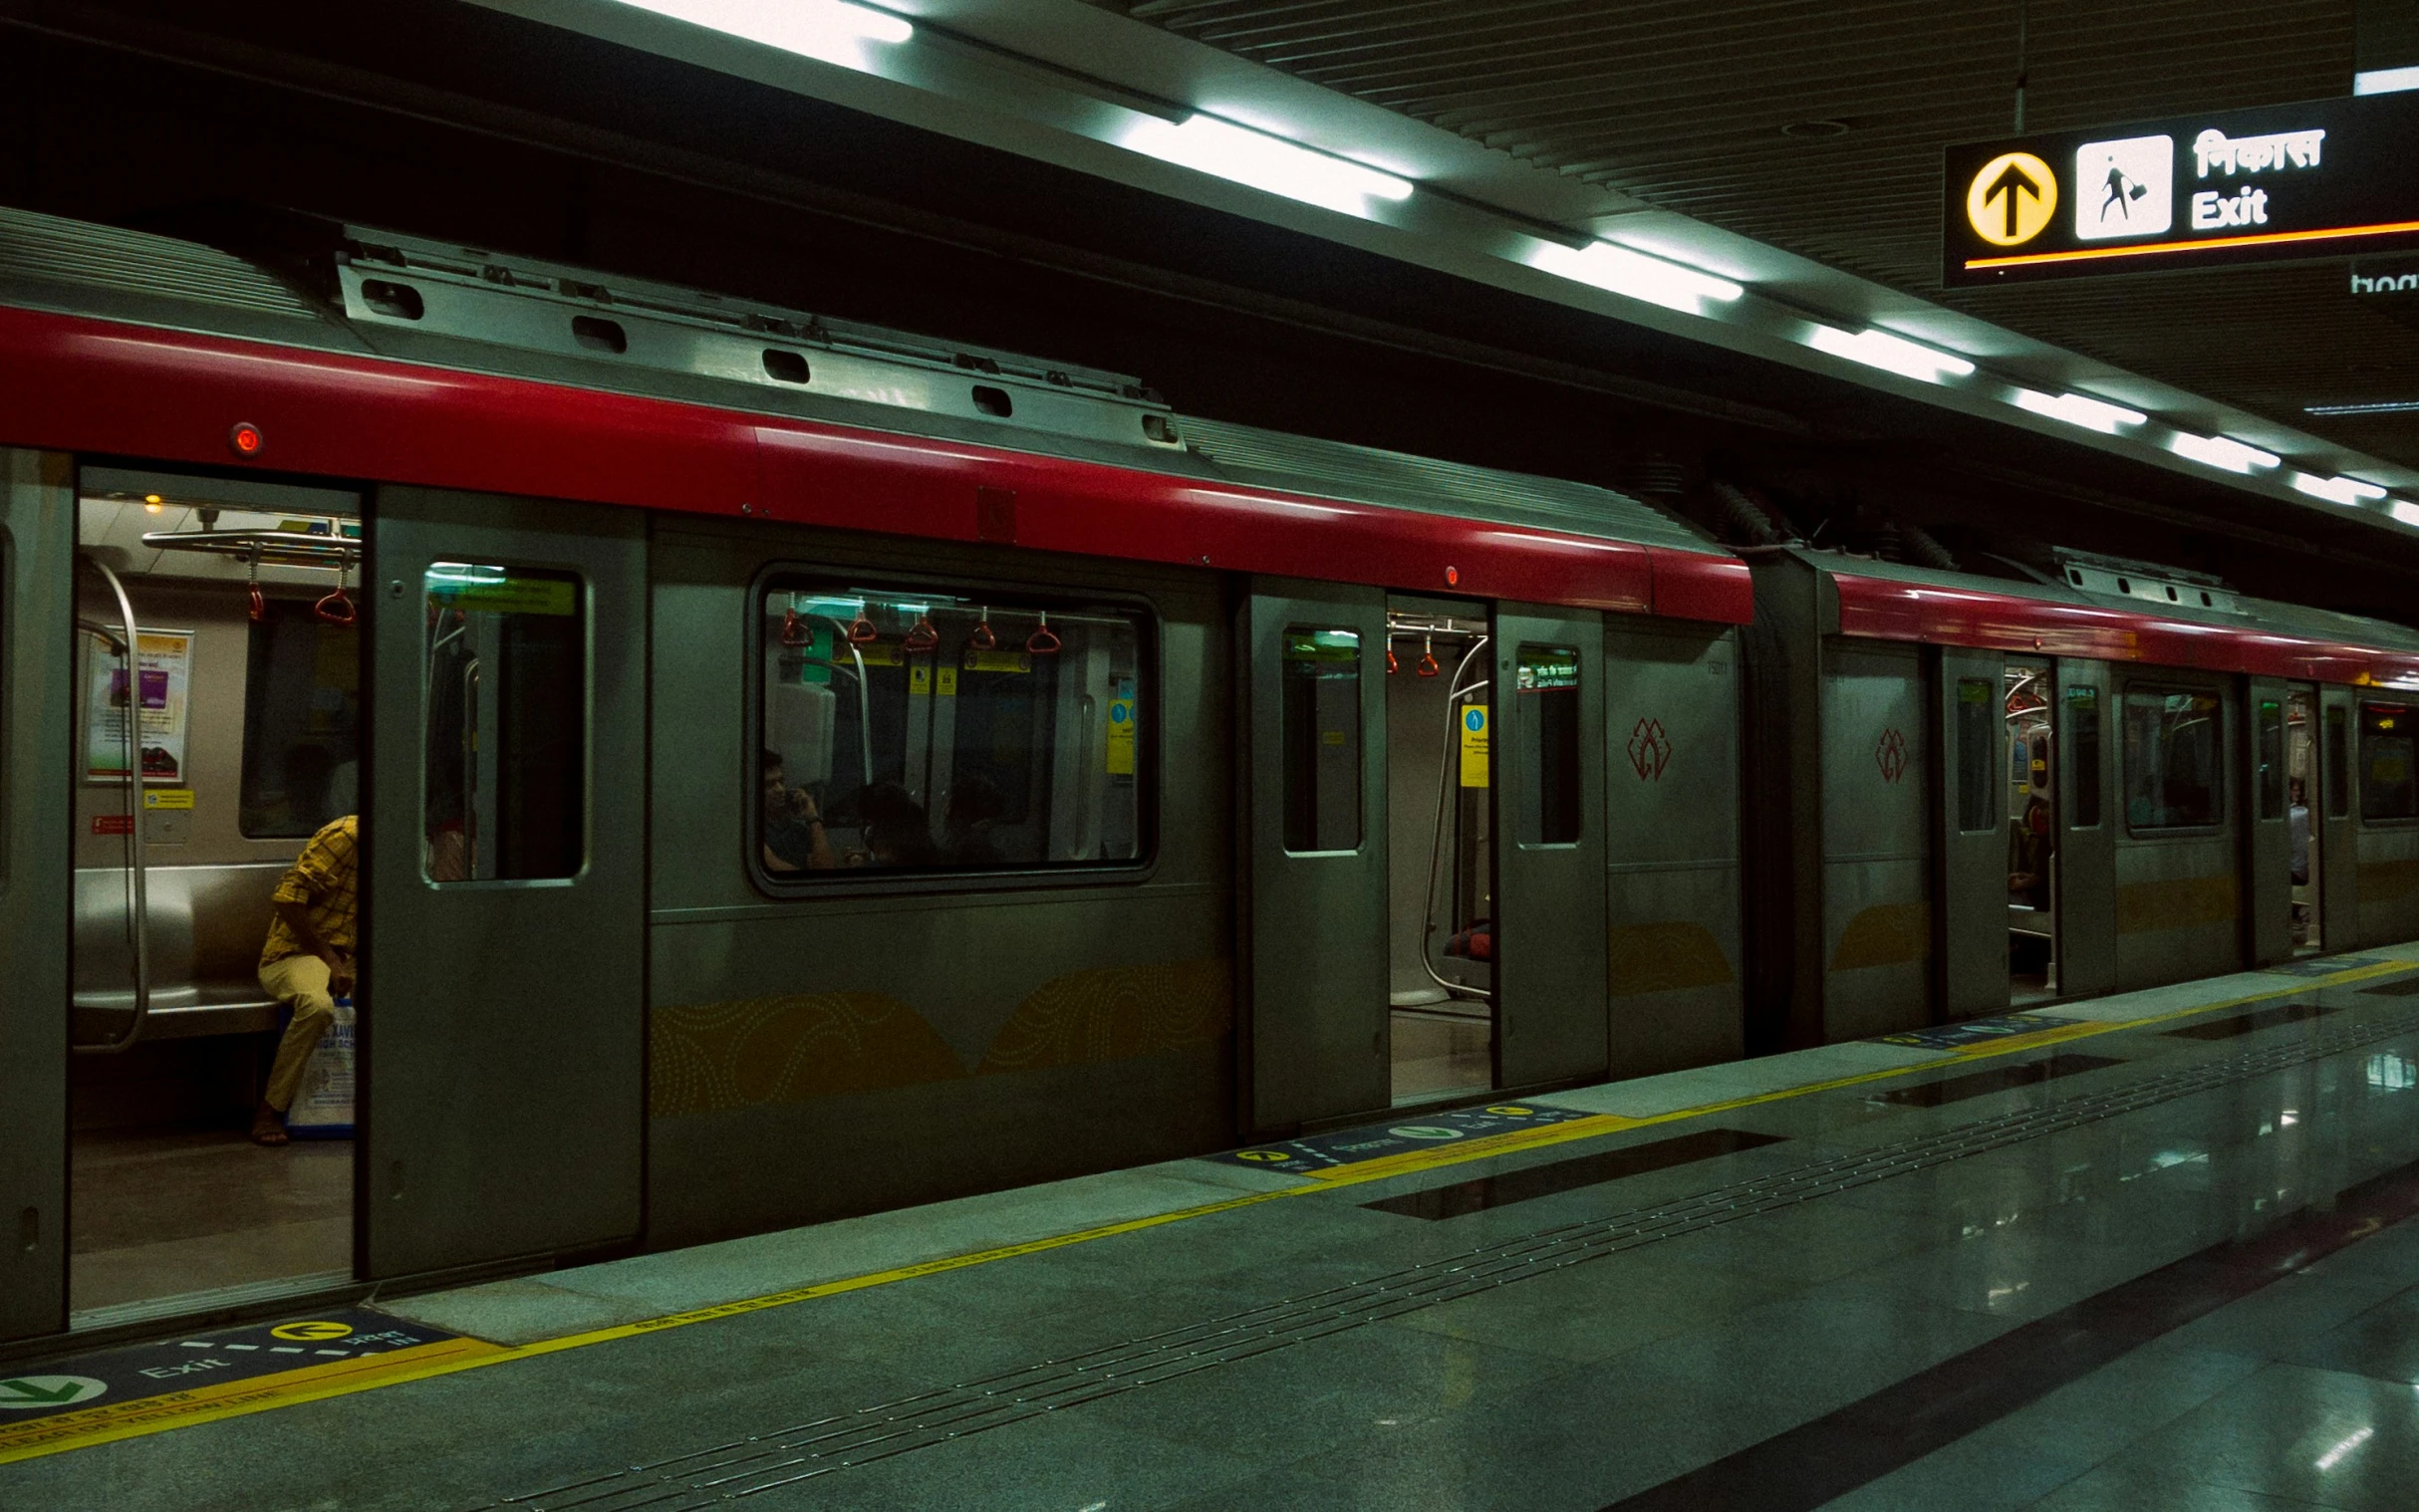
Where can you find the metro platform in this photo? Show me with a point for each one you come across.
(2146, 1251)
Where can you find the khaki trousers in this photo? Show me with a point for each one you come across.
(301, 984)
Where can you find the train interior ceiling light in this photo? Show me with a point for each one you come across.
(2079, 410)
(1891, 354)
(1223, 150)
(1640, 275)
(834, 30)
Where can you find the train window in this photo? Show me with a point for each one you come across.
(2173, 759)
(907, 730)
(2389, 780)
(2338, 761)
(503, 723)
(1978, 756)
(2084, 741)
(1319, 732)
(1546, 683)
(301, 723)
(2270, 731)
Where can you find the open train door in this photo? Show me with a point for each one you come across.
(1972, 828)
(36, 701)
(1314, 764)
(503, 1021)
(1551, 1023)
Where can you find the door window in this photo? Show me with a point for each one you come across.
(503, 723)
(1979, 725)
(1319, 736)
(2338, 761)
(2083, 740)
(2271, 774)
(1547, 687)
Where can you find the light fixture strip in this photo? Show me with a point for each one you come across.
(2220, 452)
(1876, 348)
(1637, 275)
(1247, 156)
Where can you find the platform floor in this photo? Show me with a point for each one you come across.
(2152, 1251)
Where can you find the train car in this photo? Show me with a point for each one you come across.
(1982, 792)
(797, 769)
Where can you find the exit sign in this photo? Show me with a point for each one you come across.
(2329, 178)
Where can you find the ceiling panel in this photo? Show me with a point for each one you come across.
(1688, 106)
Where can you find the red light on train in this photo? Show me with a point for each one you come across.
(1453, 575)
(246, 439)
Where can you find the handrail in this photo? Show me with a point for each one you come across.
(1436, 843)
(137, 861)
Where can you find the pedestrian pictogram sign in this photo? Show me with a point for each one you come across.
(2012, 199)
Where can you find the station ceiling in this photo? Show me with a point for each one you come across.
(1816, 126)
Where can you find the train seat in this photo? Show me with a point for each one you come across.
(205, 932)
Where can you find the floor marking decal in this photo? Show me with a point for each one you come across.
(75, 1428)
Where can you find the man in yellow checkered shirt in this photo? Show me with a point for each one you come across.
(307, 961)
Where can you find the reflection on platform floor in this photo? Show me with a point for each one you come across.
(2080, 1269)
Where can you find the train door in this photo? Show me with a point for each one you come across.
(36, 564)
(2268, 831)
(2335, 833)
(2031, 715)
(1441, 882)
(1315, 771)
(2307, 839)
(1971, 826)
(1550, 1017)
(2085, 758)
(505, 884)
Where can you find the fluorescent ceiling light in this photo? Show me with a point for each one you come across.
(2337, 490)
(2386, 80)
(2380, 406)
(1640, 275)
(1879, 349)
(2076, 409)
(2408, 514)
(834, 30)
(1228, 150)
(2220, 451)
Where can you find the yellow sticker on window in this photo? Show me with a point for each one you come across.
(1120, 737)
(947, 686)
(168, 798)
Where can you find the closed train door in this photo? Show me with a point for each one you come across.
(1972, 834)
(1550, 1019)
(37, 618)
(505, 1020)
(1314, 756)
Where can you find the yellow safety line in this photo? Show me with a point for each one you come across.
(177, 1409)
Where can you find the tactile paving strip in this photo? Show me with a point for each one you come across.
(763, 1462)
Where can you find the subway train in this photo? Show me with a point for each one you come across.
(805, 768)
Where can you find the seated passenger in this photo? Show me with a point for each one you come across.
(895, 829)
(307, 961)
(975, 808)
(2030, 844)
(793, 829)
